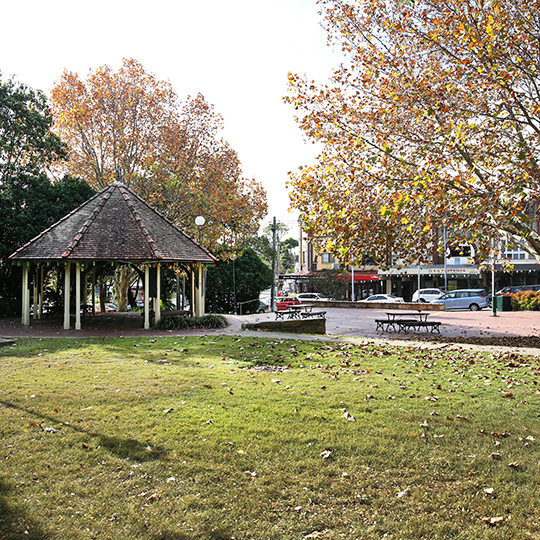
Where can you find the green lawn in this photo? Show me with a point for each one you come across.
(223, 437)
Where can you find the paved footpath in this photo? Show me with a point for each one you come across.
(341, 323)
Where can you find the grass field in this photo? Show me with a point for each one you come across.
(241, 438)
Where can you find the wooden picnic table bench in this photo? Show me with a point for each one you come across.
(308, 314)
(400, 323)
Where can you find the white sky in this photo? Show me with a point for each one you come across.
(237, 53)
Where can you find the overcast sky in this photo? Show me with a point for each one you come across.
(237, 53)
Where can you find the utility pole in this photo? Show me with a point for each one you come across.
(352, 283)
(493, 297)
(273, 291)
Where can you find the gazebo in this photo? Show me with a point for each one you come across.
(115, 226)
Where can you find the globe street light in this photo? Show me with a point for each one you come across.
(200, 221)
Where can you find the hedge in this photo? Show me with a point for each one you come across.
(526, 301)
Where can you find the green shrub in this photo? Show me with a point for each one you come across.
(175, 322)
(526, 301)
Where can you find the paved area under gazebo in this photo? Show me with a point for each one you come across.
(114, 227)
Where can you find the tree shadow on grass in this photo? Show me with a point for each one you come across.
(124, 448)
(14, 525)
(174, 535)
(130, 448)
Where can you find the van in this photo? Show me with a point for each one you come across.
(473, 299)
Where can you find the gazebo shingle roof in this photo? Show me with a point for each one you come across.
(115, 224)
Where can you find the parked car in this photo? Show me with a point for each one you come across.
(383, 298)
(426, 295)
(263, 307)
(283, 302)
(311, 297)
(473, 299)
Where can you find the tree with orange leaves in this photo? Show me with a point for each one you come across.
(432, 122)
(128, 126)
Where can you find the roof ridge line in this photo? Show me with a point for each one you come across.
(126, 195)
(87, 223)
(170, 222)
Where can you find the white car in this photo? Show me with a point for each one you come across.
(311, 297)
(384, 298)
(426, 295)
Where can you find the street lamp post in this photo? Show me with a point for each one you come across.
(200, 221)
(234, 283)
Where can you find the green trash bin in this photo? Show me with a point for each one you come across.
(504, 303)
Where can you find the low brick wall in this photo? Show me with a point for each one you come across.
(293, 326)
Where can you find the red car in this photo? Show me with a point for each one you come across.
(283, 302)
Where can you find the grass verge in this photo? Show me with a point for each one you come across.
(225, 437)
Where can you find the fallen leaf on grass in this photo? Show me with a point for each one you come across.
(166, 411)
(326, 453)
(348, 416)
(493, 520)
(242, 452)
(514, 464)
(424, 425)
(489, 491)
(252, 474)
(403, 493)
(50, 430)
(495, 455)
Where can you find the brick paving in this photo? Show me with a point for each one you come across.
(339, 322)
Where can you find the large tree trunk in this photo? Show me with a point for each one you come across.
(122, 281)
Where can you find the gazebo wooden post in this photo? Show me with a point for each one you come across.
(94, 290)
(146, 300)
(67, 285)
(158, 294)
(35, 299)
(199, 301)
(41, 295)
(192, 300)
(77, 295)
(25, 318)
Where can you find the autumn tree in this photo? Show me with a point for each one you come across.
(198, 173)
(128, 126)
(431, 122)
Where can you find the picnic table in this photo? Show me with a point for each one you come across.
(299, 311)
(403, 321)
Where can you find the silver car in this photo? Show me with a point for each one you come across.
(426, 295)
(311, 297)
(473, 299)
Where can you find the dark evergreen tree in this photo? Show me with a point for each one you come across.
(29, 201)
(251, 277)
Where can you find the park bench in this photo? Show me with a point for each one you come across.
(308, 314)
(287, 314)
(405, 325)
